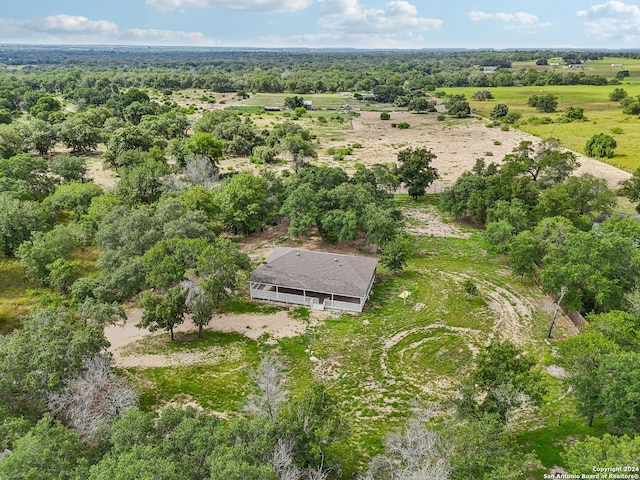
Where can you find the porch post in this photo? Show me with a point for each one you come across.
(304, 296)
(277, 293)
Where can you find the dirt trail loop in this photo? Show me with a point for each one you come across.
(513, 313)
(432, 384)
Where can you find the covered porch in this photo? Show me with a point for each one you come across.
(313, 299)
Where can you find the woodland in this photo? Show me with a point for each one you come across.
(150, 181)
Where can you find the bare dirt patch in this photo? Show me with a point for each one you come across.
(457, 144)
(129, 343)
(106, 179)
(260, 244)
(430, 223)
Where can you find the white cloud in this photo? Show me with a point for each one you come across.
(612, 19)
(80, 30)
(522, 21)
(239, 5)
(349, 17)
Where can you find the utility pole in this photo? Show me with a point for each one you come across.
(563, 290)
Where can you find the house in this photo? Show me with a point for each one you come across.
(490, 69)
(308, 104)
(271, 108)
(317, 279)
(616, 65)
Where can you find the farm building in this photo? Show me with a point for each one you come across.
(317, 279)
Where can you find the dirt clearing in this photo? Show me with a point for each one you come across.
(130, 343)
(457, 144)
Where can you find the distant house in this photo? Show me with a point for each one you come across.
(308, 104)
(554, 64)
(616, 65)
(489, 69)
(347, 107)
(271, 108)
(317, 279)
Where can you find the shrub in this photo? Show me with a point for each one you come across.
(403, 125)
(544, 103)
(470, 289)
(618, 94)
(482, 95)
(499, 111)
(572, 114)
(631, 108)
(441, 117)
(540, 120)
(600, 145)
(458, 106)
(385, 115)
(511, 118)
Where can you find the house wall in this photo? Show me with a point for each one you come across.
(268, 292)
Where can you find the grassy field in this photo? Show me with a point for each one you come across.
(603, 116)
(18, 295)
(379, 365)
(328, 118)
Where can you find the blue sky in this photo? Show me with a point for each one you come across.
(325, 23)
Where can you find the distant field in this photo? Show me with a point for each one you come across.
(603, 116)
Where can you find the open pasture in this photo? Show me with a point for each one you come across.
(603, 115)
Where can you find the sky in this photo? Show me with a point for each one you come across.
(371, 24)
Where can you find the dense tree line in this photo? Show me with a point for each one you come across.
(543, 218)
(91, 77)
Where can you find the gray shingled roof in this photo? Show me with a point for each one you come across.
(322, 272)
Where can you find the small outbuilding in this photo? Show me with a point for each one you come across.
(316, 279)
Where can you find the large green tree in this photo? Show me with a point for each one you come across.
(49, 451)
(582, 356)
(415, 170)
(243, 203)
(18, 221)
(162, 311)
(607, 452)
